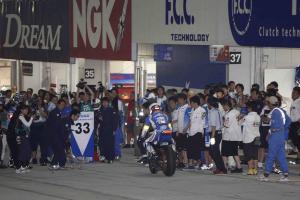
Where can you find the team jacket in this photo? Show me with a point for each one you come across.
(184, 113)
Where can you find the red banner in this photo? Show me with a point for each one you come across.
(101, 29)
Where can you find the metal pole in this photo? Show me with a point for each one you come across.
(19, 76)
(70, 89)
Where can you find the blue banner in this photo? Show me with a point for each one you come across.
(163, 53)
(269, 23)
(35, 30)
(125, 79)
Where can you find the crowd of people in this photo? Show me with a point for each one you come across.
(211, 129)
(37, 128)
(223, 127)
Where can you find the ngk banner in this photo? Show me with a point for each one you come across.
(34, 30)
(101, 29)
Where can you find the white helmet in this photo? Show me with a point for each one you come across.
(154, 107)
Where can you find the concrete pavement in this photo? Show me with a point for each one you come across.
(126, 180)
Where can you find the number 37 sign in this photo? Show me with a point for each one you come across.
(82, 139)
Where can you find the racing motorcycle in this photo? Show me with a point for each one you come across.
(164, 155)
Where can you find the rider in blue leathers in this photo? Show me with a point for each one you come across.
(277, 137)
(159, 122)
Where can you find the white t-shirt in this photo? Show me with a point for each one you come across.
(151, 96)
(221, 110)
(215, 119)
(161, 100)
(174, 116)
(121, 106)
(251, 123)
(232, 129)
(295, 110)
(197, 121)
(183, 119)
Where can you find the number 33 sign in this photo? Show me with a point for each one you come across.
(82, 128)
(82, 139)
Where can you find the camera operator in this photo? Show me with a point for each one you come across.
(84, 99)
(100, 90)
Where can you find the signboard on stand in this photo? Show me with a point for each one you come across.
(82, 138)
(101, 29)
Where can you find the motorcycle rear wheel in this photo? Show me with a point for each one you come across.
(169, 164)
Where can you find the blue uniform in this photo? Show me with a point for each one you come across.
(206, 126)
(118, 107)
(56, 137)
(277, 141)
(119, 136)
(108, 122)
(66, 111)
(64, 129)
(159, 122)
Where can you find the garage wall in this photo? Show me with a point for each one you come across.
(55, 73)
(281, 58)
(121, 67)
(256, 60)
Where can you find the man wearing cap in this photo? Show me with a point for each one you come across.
(276, 140)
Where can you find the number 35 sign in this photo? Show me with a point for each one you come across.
(82, 139)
